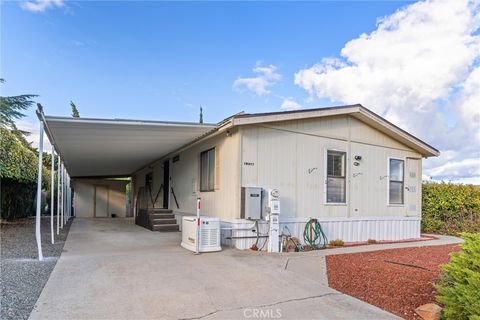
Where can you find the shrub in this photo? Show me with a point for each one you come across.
(449, 208)
(336, 243)
(371, 241)
(459, 287)
(18, 177)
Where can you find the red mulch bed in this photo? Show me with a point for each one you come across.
(396, 280)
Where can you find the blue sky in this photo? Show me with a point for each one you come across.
(163, 60)
(414, 63)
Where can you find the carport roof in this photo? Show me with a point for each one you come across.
(116, 147)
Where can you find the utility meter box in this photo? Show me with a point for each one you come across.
(251, 203)
(274, 201)
(274, 221)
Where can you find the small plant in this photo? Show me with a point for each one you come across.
(371, 241)
(337, 243)
(459, 287)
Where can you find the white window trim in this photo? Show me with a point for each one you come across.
(388, 182)
(325, 176)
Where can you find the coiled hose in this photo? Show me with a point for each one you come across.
(314, 236)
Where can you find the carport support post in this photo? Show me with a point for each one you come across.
(38, 236)
(64, 198)
(69, 201)
(59, 165)
(52, 195)
(63, 195)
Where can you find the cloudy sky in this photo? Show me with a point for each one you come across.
(416, 63)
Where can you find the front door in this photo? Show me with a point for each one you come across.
(101, 202)
(166, 183)
(413, 179)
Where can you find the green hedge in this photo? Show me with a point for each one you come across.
(18, 177)
(459, 287)
(449, 208)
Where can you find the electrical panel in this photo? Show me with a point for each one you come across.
(251, 203)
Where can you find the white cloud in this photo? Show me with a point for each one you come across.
(420, 64)
(266, 77)
(290, 104)
(34, 136)
(41, 5)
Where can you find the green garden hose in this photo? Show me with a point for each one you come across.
(314, 235)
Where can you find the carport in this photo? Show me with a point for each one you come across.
(104, 148)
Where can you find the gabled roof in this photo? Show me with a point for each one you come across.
(357, 110)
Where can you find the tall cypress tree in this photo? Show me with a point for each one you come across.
(75, 113)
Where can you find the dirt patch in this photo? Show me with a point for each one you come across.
(396, 280)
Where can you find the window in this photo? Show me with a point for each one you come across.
(336, 177)
(395, 183)
(207, 170)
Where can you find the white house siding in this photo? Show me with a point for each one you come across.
(185, 178)
(291, 156)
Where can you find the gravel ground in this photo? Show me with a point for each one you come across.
(22, 276)
(396, 280)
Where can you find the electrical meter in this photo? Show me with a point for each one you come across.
(274, 223)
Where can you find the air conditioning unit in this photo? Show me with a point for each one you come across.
(209, 233)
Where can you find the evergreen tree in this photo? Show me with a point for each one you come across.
(75, 113)
(201, 115)
(11, 109)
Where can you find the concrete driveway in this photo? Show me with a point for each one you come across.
(113, 269)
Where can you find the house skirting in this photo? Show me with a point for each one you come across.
(238, 233)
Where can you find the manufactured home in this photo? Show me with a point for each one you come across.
(356, 173)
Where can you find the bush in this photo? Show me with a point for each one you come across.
(459, 287)
(336, 243)
(371, 241)
(18, 177)
(449, 208)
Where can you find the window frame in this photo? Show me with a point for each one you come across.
(209, 188)
(345, 175)
(403, 182)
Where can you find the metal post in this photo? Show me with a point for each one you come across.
(197, 243)
(67, 202)
(59, 165)
(63, 195)
(52, 195)
(38, 236)
(68, 199)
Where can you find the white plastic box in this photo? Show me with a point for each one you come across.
(209, 233)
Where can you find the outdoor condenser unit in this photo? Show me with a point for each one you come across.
(209, 233)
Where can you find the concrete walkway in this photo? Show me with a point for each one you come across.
(112, 269)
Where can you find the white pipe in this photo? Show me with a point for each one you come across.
(59, 164)
(197, 243)
(52, 195)
(38, 236)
